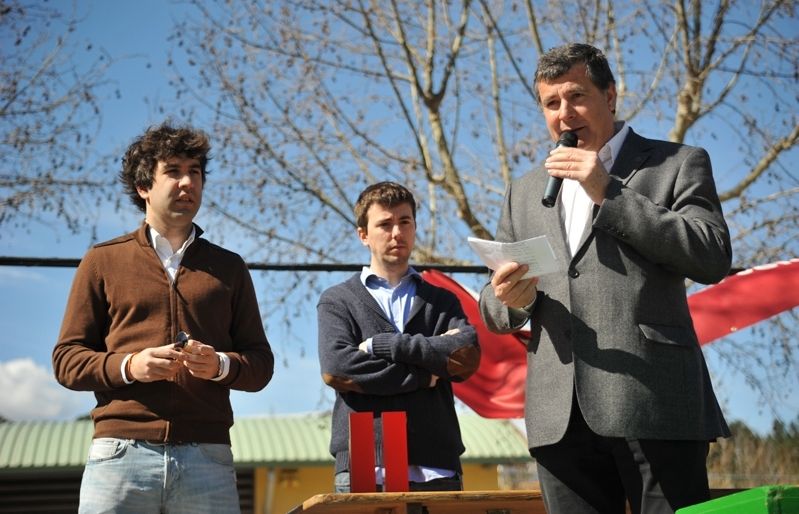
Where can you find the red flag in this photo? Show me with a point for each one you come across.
(745, 298)
(496, 389)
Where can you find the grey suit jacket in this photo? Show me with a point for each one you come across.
(614, 325)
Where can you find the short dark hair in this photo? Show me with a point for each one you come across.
(387, 194)
(159, 143)
(557, 61)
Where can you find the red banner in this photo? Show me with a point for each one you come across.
(496, 389)
(744, 299)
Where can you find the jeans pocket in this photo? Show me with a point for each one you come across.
(218, 453)
(106, 448)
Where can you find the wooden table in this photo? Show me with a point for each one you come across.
(444, 502)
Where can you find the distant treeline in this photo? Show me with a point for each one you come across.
(748, 459)
(742, 461)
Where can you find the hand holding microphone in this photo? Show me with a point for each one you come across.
(567, 139)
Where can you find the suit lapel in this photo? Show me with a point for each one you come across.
(633, 153)
(551, 221)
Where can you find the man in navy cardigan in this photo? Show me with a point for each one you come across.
(389, 341)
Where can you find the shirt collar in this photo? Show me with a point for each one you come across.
(162, 246)
(367, 275)
(610, 151)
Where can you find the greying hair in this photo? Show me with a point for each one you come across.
(559, 60)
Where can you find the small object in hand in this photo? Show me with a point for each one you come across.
(182, 339)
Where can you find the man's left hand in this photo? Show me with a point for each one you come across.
(200, 359)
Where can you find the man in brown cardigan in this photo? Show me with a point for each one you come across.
(161, 425)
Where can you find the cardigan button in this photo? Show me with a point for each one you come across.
(573, 273)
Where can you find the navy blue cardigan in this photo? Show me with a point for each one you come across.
(397, 376)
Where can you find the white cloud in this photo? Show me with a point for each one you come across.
(30, 392)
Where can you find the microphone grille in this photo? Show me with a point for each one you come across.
(567, 138)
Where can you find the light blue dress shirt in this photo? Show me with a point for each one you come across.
(396, 303)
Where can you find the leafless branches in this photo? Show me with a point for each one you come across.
(49, 115)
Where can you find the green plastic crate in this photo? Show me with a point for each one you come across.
(769, 499)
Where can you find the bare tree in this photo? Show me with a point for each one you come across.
(313, 99)
(310, 100)
(734, 68)
(49, 115)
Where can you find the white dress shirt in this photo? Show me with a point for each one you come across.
(575, 205)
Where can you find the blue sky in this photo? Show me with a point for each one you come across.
(32, 300)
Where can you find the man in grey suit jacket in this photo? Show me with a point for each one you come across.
(619, 402)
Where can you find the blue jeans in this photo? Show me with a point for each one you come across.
(128, 476)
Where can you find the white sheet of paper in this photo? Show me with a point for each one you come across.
(536, 252)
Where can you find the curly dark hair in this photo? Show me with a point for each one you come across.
(387, 194)
(557, 61)
(159, 143)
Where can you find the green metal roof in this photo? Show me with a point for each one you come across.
(270, 441)
(282, 440)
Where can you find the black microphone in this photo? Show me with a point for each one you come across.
(568, 139)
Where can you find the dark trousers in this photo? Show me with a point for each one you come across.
(588, 473)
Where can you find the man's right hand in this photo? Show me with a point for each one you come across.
(153, 364)
(510, 289)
